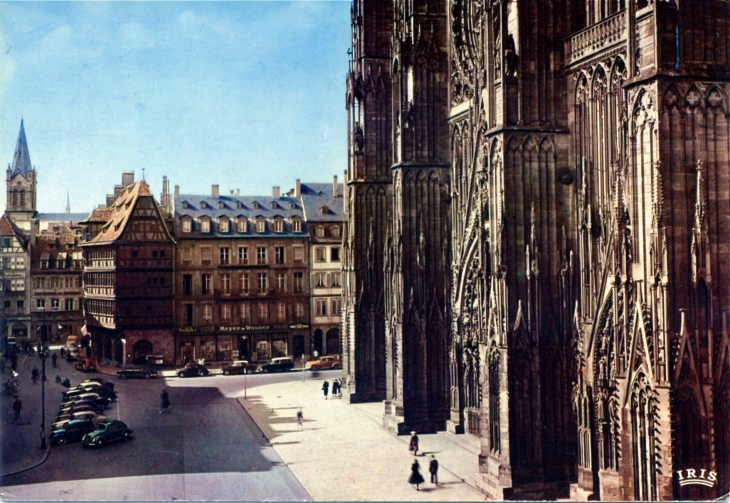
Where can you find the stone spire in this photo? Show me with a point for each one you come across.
(21, 159)
(68, 203)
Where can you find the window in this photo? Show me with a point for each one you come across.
(319, 280)
(335, 279)
(40, 283)
(243, 281)
(299, 310)
(319, 254)
(20, 263)
(134, 253)
(335, 254)
(260, 225)
(335, 307)
(298, 254)
(281, 312)
(206, 255)
(226, 312)
(149, 310)
(263, 312)
(223, 225)
(186, 255)
(154, 253)
(225, 256)
(20, 305)
(187, 225)
(207, 312)
(187, 284)
(69, 304)
(263, 281)
(188, 315)
(242, 225)
(320, 307)
(278, 225)
(298, 282)
(261, 255)
(335, 230)
(319, 231)
(243, 254)
(281, 281)
(279, 252)
(54, 304)
(205, 282)
(17, 285)
(245, 312)
(205, 225)
(297, 225)
(226, 283)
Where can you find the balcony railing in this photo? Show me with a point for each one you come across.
(596, 38)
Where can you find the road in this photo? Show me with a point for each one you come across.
(205, 448)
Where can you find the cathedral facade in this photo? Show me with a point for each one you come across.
(555, 239)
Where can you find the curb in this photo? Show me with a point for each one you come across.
(45, 457)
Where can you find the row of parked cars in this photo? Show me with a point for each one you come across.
(81, 416)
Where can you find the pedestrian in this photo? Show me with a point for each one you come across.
(335, 388)
(300, 419)
(34, 374)
(14, 363)
(433, 468)
(17, 406)
(63, 352)
(413, 445)
(165, 401)
(416, 478)
(326, 389)
(54, 357)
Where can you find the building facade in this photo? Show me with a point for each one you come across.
(242, 277)
(323, 212)
(14, 257)
(588, 159)
(128, 278)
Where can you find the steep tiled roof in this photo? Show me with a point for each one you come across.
(21, 159)
(8, 228)
(317, 196)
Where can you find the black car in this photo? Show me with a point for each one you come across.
(72, 431)
(100, 390)
(136, 373)
(66, 408)
(277, 365)
(105, 432)
(192, 369)
(94, 405)
(91, 396)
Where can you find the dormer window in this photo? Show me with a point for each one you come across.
(256, 205)
(293, 205)
(325, 210)
(296, 225)
(274, 205)
(185, 205)
(203, 205)
(221, 205)
(319, 231)
(335, 231)
(278, 225)
(223, 225)
(187, 225)
(239, 205)
(242, 225)
(260, 225)
(205, 225)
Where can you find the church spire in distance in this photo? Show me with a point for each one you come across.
(68, 203)
(21, 159)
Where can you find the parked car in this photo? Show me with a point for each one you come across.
(94, 397)
(72, 431)
(238, 367)
(85, 365)
(277, 365)
(66, 408)
(192, 369)
(94, 405)
(105, 432)
(89, 415)
(136, 373)
(97, 380)
(99, 389)
(324, 362)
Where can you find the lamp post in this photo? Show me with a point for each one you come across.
(43, 354)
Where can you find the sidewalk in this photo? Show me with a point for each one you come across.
(345, 454)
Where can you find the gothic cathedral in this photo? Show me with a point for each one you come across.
(538, 239)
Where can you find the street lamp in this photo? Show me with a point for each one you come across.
(43, 354)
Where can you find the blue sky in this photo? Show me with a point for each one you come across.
(245, 94)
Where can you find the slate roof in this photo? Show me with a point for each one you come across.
(21, 159)
(316, 196)
(236, 207)
(62, 217)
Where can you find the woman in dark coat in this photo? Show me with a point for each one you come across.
(416, 477)
(326, 389)
(413, 445)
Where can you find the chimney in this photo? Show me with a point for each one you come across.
(344, 193)
(298, 188)
(238, 192)
(127, 178)
(216, 191)
(334, 187)
(177, 191)
(277, 192)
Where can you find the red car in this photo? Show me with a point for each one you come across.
(324, 363)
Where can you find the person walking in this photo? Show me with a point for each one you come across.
(416, 478)
(164, 401)
(335, 388)
(63, 352)
(54, 357)
(326, 388)
(34, 374)
(17, 407)
(413, 445)
(300, 419)
(433, 469)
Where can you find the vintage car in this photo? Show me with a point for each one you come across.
(87, 415)
(137, 373)
(67, 408)
(276, 365)
(238, 367)
(105, 432)
(72, 431)
(192, 369)
(85, 364)
(324, 363)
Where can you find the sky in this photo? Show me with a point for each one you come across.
(243, 94)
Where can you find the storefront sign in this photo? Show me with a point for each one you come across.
(298, 327)
(194, 330)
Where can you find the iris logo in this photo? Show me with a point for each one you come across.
(689, 477)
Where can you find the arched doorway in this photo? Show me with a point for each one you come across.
(333, 341)
(141, 350)
(118, 351)
(108, 346)
(318, 342)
